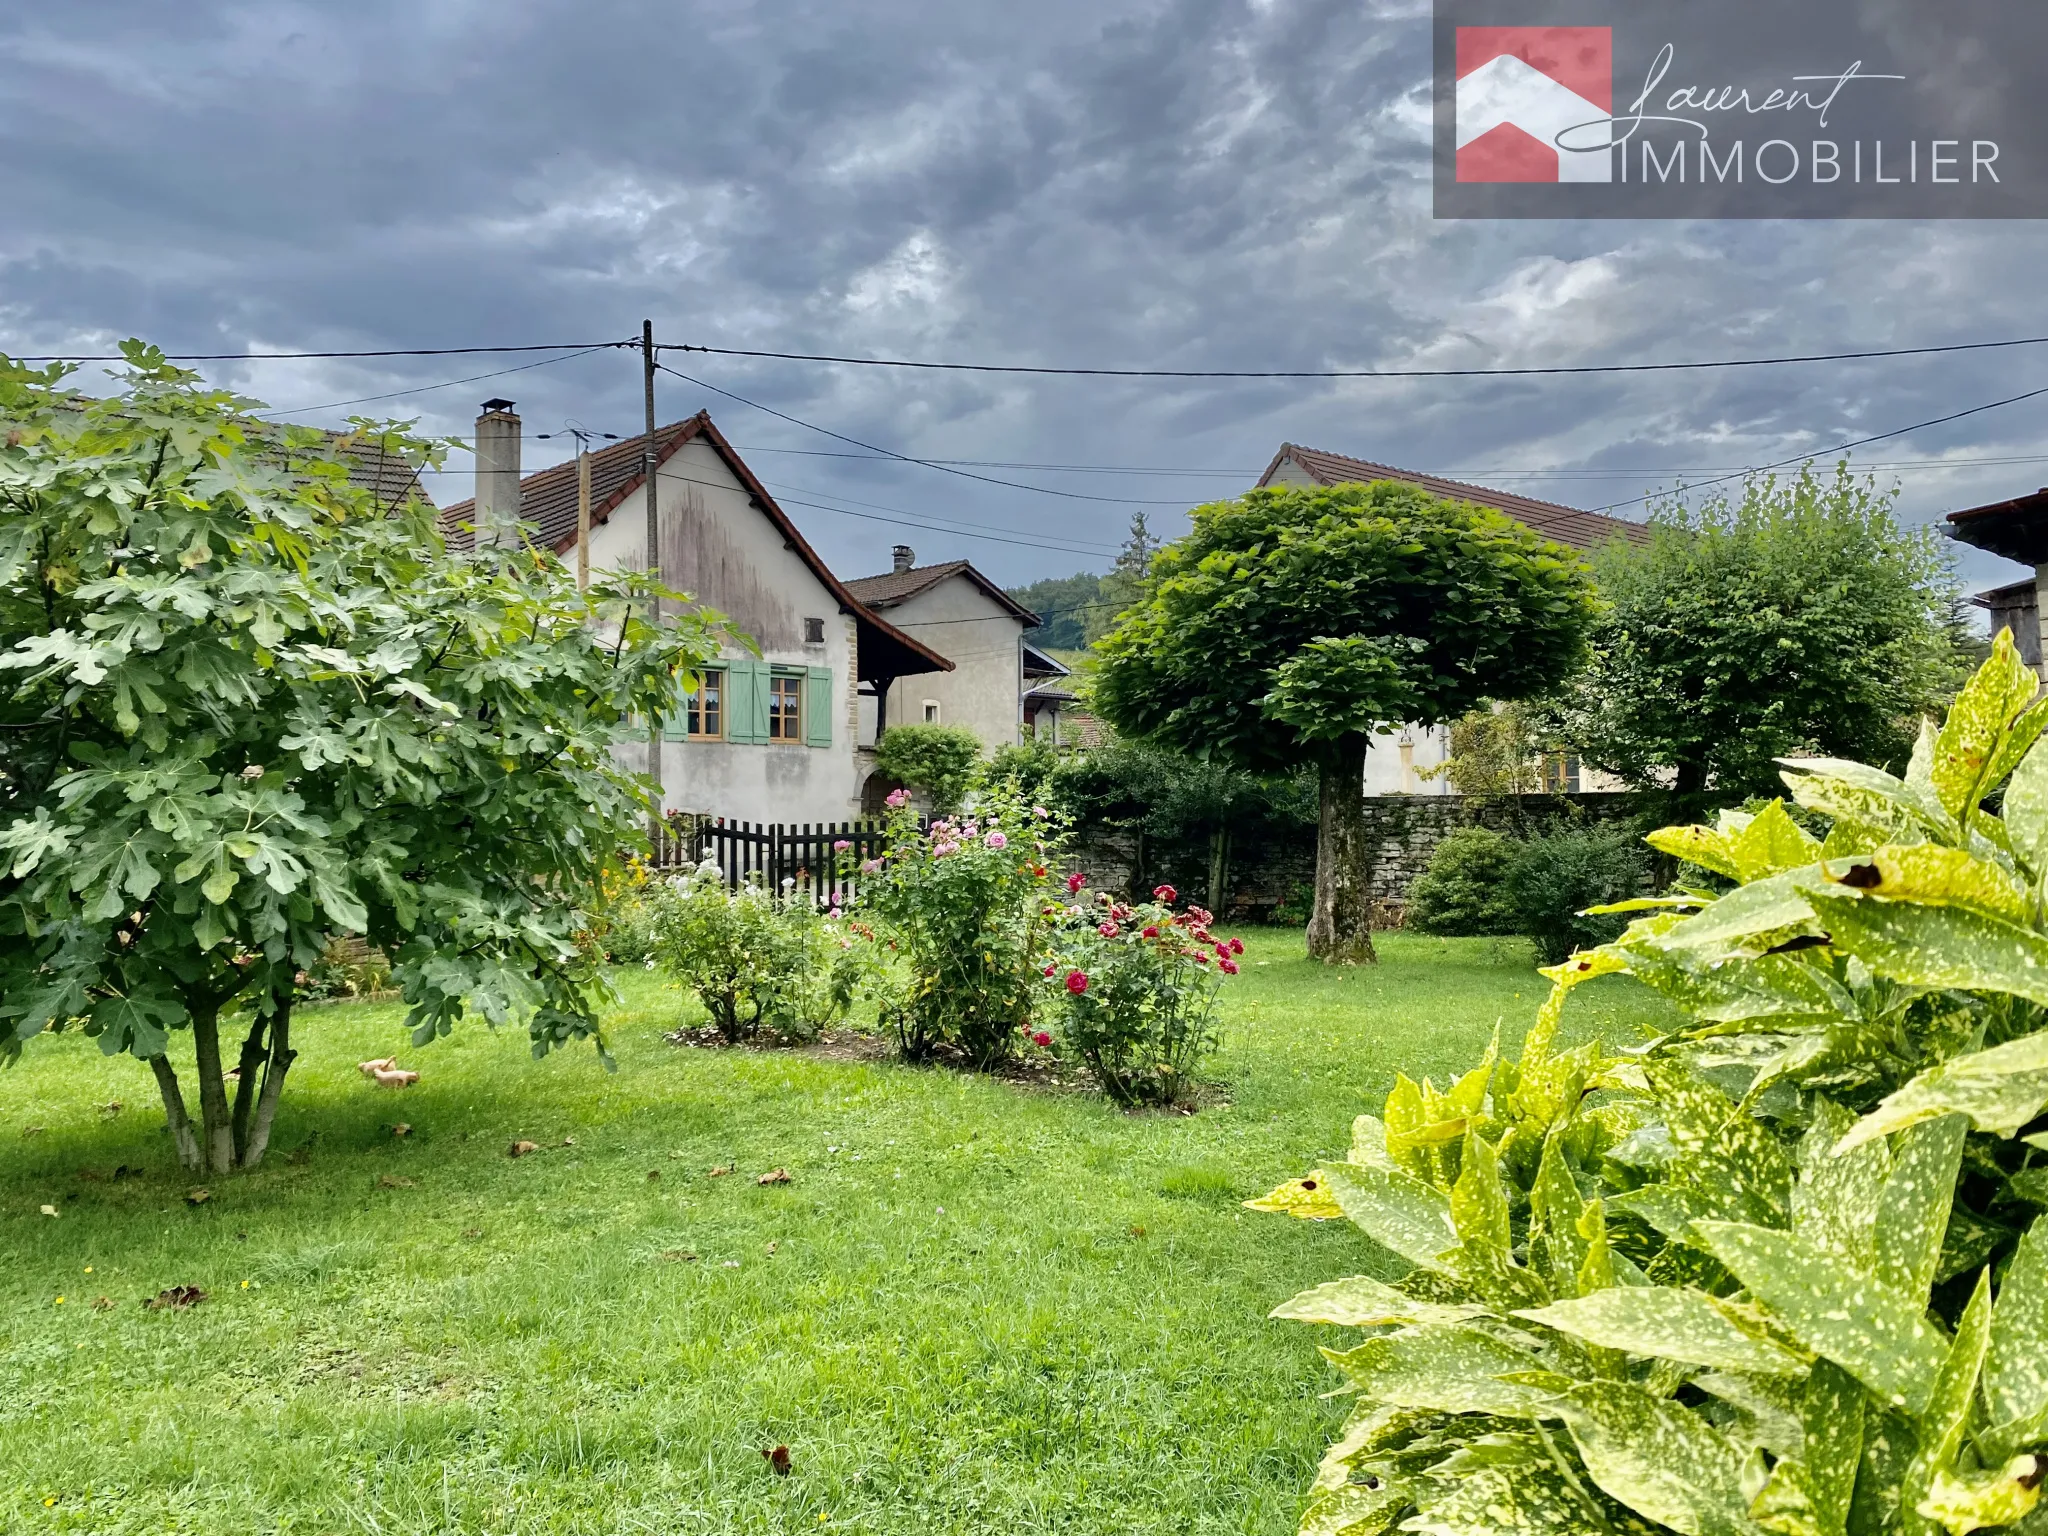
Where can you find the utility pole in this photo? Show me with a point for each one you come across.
(582, 516)
(650, 465)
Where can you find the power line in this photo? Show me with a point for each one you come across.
(1357, 373)
(267, 357)
(904, 458)
(422, 389)
(1823, 453)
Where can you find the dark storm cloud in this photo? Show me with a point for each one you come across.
(1193, 183)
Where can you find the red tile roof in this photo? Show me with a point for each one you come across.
(1567, 525)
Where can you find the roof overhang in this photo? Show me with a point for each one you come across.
(2016, 529)
(1039, 663)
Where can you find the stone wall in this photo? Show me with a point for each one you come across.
(1276, 876)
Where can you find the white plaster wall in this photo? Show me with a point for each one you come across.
(983, 640)
(726, 552)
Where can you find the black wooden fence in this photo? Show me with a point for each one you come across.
(820, 860)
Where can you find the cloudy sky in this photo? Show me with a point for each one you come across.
(1181, 183)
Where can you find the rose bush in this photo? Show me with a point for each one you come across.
(963, 901)
(1133, 991)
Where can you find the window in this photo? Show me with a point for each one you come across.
(1560, 773)
(706, 712)
(814, 631)
(931, 711)
(785, 709)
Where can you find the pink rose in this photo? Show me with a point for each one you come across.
(996, 840)
(1227, 966)
(841, 846)
(834, 914)
(871, 866)
(1040, 812)
(898, 798)
(1107, 930)
(1165, 893)
(1077, 982)
(1075, 881)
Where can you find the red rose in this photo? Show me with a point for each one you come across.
(1077, 982)
(1227, 966)
(1201, 957)
(1237, 946)
(1165, 893)
(1075, 881)
(1041, 1039)
(1049, 970)
(1152, 932)
(1107, 930)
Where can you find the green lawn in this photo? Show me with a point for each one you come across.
(977, 1307)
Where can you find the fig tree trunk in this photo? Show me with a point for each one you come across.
(1340, 930)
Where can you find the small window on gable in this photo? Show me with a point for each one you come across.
(814, 631)
(931, 711)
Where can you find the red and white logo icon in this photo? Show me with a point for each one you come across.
(1521, 87)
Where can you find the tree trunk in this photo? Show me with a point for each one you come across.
(253, 1055)
(275, 1066)
(1340, 931)
(1219, 865)
(182, 1135)
(216, 1125)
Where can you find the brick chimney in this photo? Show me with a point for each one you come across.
(905, 557)
(497, 475)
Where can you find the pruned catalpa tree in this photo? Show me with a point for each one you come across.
(246, 708)
(1295, 622)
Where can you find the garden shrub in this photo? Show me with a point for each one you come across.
(1779, 1270)
(1464, 891)
(755, 958)
(941, 760)
(1555, 876)
(1134, 992)
(964, 903)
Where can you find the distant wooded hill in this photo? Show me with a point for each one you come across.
(1077, 610)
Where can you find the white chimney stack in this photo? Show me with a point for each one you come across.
(497, 475)
(905, 557)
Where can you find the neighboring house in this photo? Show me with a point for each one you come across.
(1400, 762)
(2018, 530)
(959, 612)
(772, 738)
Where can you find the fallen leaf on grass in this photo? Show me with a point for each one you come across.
(720, 1171)
(521, 1148)
(473, 1233)
(730, 1264)
(773, 1246)
(90, 1176)
(568, 1141)
(381, 1064)
(176, 1299)
(198, 1196)
(30, 1130)
(111, 1107)
(392, 1077)
(774, 1176)
(778, 1459)
(102, 1303)
(393, 1181)
(50, 1210)
(678, 1256)
(654, 1175)
(401, 1129)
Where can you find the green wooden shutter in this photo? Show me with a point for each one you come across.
(742, 726)
(818, 706)
(677, 726)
